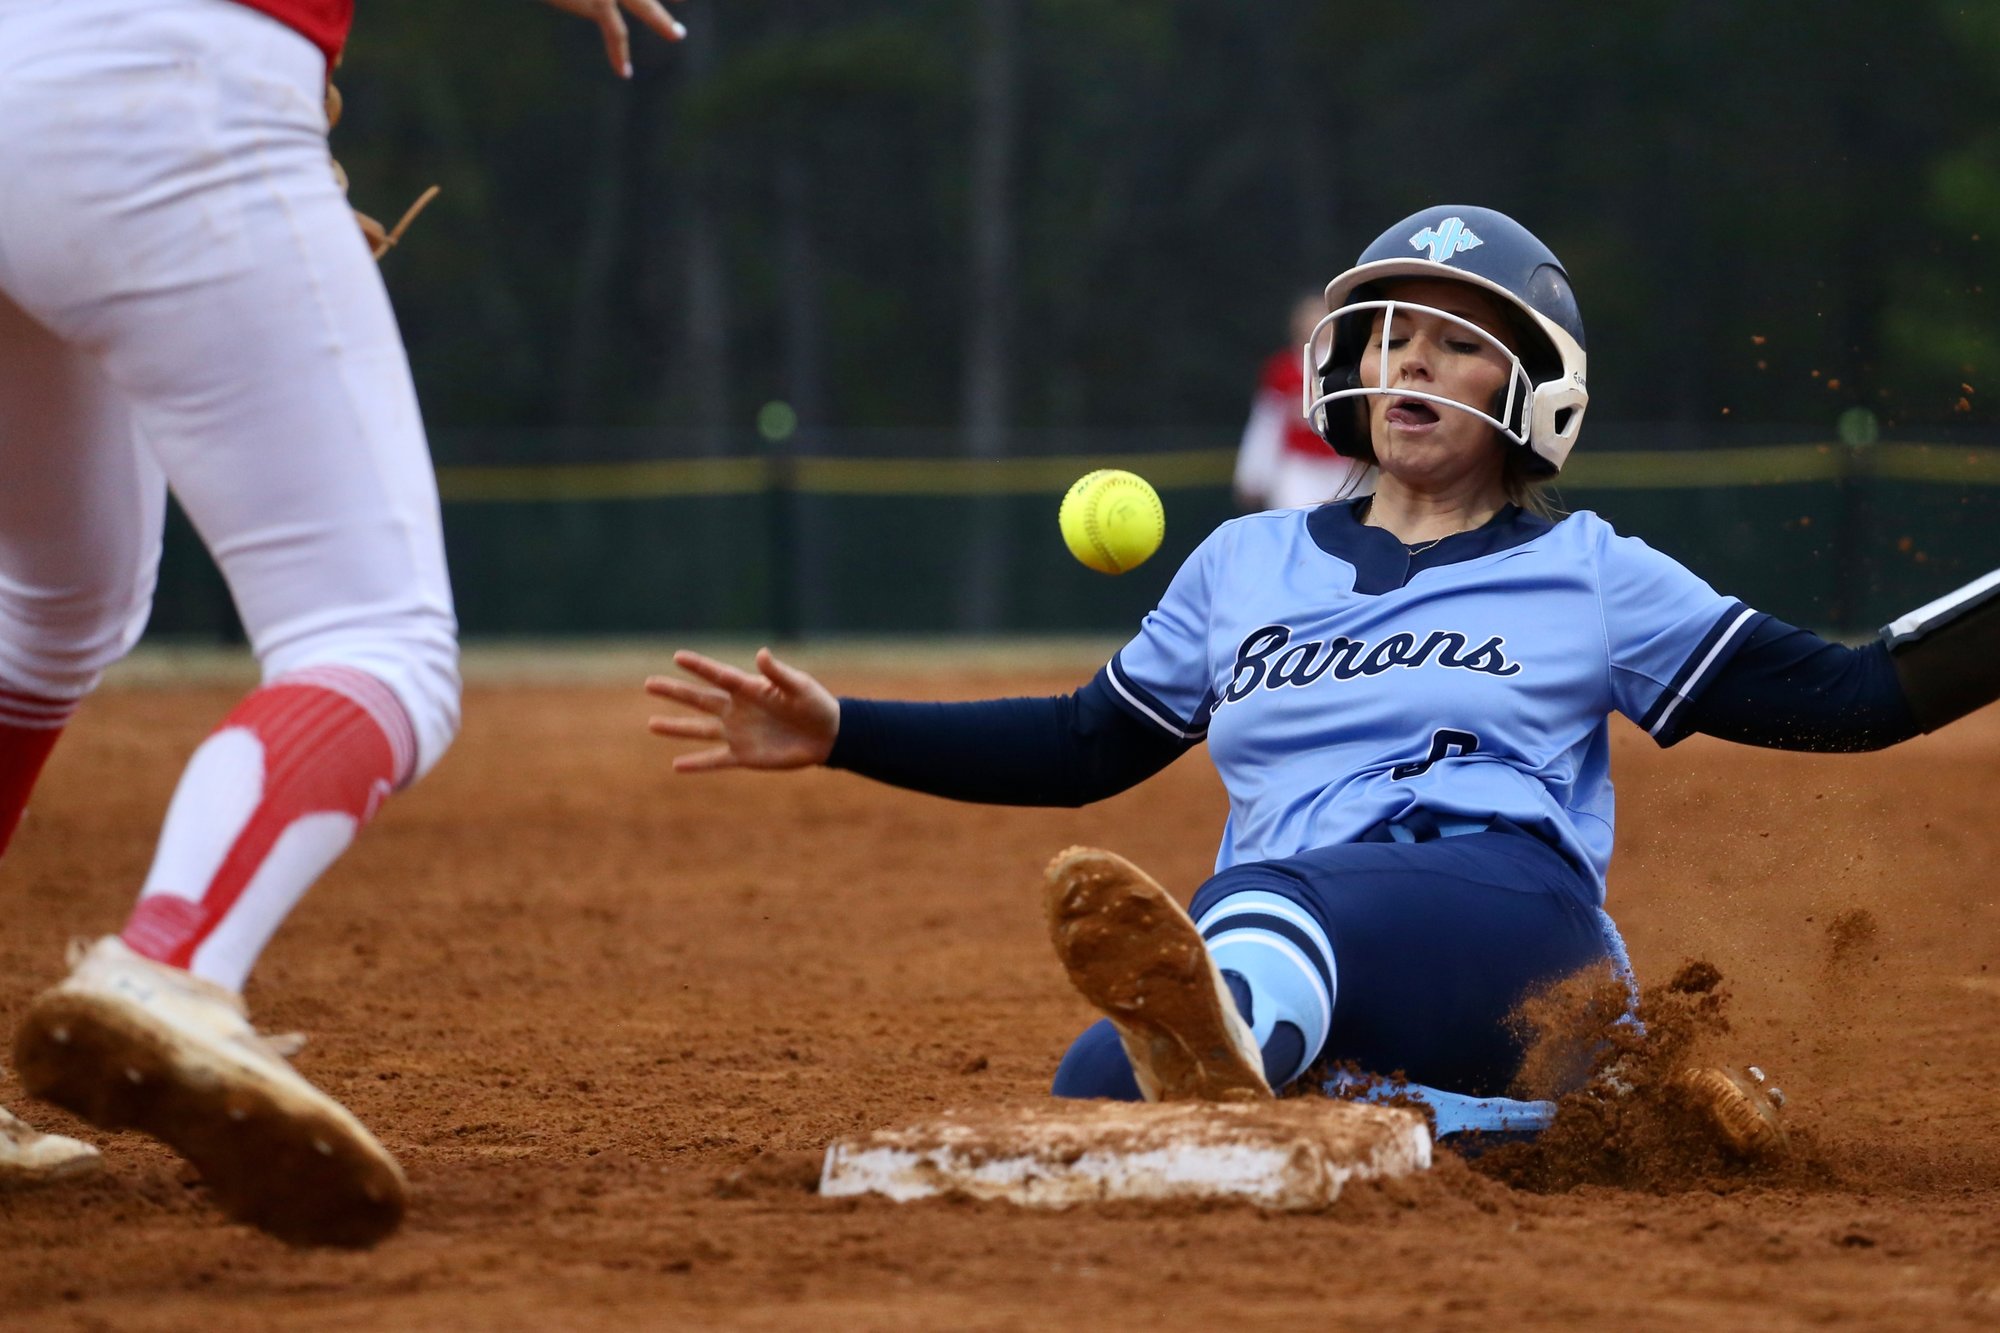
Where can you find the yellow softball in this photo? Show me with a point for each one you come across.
(1112, 520)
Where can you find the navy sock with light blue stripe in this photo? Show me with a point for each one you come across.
(1095, 1065)
(1285, 1049)
(1277, 961)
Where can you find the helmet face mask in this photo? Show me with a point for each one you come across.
(1508, 414)
(1540, 411)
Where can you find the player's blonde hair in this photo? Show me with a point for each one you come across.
(1530, 486)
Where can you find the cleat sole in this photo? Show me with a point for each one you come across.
(1133, 952)
(1738, 1108)
(272, 1158)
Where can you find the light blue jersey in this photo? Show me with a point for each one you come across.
(1342, 682)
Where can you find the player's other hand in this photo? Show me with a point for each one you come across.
(610, 20)
(778, 718)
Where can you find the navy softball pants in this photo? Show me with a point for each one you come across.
(1401, 957)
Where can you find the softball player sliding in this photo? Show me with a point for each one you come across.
(1407, 697)
(185, 302)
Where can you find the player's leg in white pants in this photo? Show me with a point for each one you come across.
(196, 276)
(177, 266)
(67, 466)
(80, 515)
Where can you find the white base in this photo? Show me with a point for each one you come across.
(1292, 1154)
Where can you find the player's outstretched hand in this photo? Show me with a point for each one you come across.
(778, 718)
(607, 15)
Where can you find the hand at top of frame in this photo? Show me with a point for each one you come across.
(778, 718)
(611, 22)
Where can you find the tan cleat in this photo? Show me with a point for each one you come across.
(1132, 952)
(1741, 1106)
(126, 1042)
(30, 1157)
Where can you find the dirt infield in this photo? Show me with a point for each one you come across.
(609, 1018)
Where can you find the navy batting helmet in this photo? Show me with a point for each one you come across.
(1542, 407)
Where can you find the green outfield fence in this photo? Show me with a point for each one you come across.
(564, 533)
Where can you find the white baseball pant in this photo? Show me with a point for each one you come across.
(185, 302)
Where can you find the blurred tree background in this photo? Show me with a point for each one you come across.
(971, 234)
(957, 213)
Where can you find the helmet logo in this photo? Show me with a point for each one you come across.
(1452, 237)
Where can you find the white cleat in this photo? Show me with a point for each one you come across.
(30, 1157)
(126, 1042)
(1132, 952)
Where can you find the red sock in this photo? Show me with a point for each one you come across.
(29, 729)
(267, 803)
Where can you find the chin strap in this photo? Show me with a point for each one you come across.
(1947, 653)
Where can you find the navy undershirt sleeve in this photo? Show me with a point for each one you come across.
(1788, 689)
(1070, 749)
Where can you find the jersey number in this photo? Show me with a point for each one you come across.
(1445, 744)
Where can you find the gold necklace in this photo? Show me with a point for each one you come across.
(1408, 549)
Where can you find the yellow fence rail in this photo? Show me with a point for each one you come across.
(1190, 469)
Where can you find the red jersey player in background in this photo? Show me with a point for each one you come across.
(187, 303)
(1282, 462)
